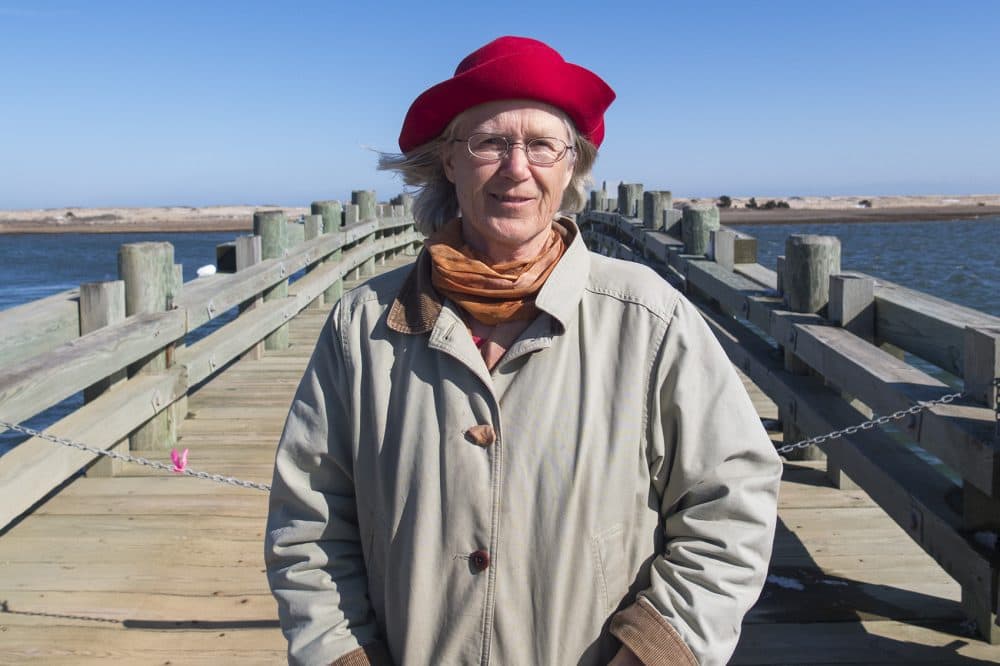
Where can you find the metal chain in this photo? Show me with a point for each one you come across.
(218, 478)
(996, 404)
(868, 425)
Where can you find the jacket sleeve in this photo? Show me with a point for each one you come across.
(313, 551)
(716, 474)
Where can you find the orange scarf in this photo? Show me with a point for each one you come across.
(491, 294)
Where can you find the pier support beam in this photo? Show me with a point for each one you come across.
(248, 253)
(148, 272)
(272, 227)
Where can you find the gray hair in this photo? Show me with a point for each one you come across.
(436, 202)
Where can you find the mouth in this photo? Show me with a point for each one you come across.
(511, 199)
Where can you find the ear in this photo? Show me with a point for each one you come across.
(448, 160)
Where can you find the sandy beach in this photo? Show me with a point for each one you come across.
(801, 210)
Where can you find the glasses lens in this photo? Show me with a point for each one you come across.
(488, 146)
(545, 150)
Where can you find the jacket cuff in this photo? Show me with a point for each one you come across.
(650, 637)
(373, 654)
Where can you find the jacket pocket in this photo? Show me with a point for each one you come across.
(608, 548)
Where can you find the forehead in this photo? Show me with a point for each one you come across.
(516, 117)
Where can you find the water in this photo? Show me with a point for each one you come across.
(957, 260)
(33, 266)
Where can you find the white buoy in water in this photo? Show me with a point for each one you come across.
(207, 269)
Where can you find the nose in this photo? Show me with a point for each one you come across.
(515, 164)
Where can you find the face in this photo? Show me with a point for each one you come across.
(508, 206)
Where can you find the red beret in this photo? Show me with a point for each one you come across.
(510, 68)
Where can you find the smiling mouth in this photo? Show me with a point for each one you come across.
(511, 199)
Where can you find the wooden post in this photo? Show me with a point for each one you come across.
(148, 272)
(333, 219)
(981, 511)
(654, 205)
(181, 406)
(313, 229)
(852, 304)
(630, 199)
(598, 200)
(365, 200)
(103, 304)
(779, 274)
(248, 253)
(296, 234)
(272, 227)
(697, 226)
(672, 222)
(809, 262)
(352, 214)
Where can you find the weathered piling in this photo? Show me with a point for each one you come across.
(697, 225)
(313, 230)
(365, 200)
(103, 304)
(630, 199)
(810, 260)
(654, 206)
(272, 227)
(598, 200)
(333, 218)
(148, 272)
(248, 253)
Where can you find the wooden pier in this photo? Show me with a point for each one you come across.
(135, 565)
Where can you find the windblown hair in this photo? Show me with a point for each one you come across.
(435, 201)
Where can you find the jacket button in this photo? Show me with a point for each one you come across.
(479, 560)
(481, 435)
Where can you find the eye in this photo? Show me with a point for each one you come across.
(545, 143)
(488, 142)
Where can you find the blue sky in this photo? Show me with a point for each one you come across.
(196, 103)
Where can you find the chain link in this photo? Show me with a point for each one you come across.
(115, 455)
(996, 405)
(868, 425)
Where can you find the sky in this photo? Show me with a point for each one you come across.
(144, 103)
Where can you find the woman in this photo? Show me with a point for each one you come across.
(516, 452)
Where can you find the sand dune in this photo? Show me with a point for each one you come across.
(240, 218)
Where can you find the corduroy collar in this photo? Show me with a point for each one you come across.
(417, 306)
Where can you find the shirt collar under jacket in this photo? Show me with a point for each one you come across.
(417, 306)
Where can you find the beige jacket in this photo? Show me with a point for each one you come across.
(608, 481)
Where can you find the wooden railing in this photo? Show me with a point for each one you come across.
(830, 348)
(122, 343)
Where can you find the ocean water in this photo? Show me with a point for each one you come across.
(955, 260)
(33, 266)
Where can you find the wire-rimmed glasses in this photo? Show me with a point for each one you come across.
(541, 151)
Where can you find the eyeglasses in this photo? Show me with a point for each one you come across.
(541, 151)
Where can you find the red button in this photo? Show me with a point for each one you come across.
(479, 560)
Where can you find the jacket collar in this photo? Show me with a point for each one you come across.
(416, 308)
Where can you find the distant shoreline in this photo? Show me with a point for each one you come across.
(239, 219)
(855, 215)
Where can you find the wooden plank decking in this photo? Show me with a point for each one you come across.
(162, 569)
